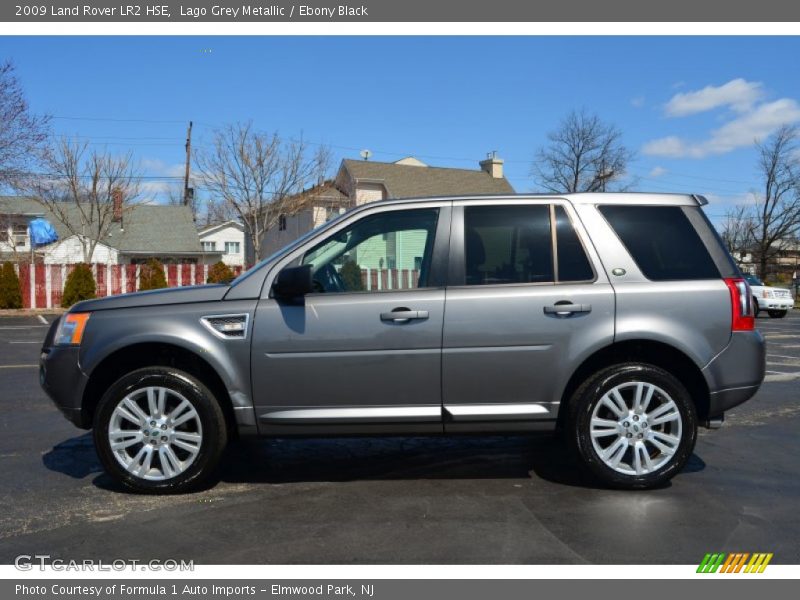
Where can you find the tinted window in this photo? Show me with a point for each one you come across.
(662, 241)
(573, 264)
(507, 244)
(387, 251)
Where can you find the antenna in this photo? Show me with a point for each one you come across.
(365, 154)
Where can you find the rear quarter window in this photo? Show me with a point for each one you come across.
(662, 241)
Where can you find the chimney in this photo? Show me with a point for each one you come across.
(493, 165)
(116, 198)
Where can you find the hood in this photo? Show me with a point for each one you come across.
(179, 295)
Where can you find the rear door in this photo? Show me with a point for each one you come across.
(527, 301)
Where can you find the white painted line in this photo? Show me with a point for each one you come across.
(782, 377)
(17, 366)
(23, 342)
(23, 327)
(784, 356)
(42, 319)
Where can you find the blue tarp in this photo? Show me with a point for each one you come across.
(42, 232)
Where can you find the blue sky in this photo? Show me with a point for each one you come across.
(689, 106)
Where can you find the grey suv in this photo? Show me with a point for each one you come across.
(577, 313)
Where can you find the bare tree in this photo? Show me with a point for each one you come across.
(776, 212)
(738, 229)
(22, 134)
(87, 191)
(584, 154)
(259, 176)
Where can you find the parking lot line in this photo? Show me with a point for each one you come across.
(23, 327)
(17, 366)
(784, 356)
(24, 342)
(42, 319)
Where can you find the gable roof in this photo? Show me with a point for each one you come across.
(145, 228)
(411, 181)
(211, 228)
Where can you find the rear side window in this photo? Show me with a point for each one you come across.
(507, 244)
(573, 264)
(662, 241)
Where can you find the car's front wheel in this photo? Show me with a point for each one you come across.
(756, 308)
(633, 425)
(777, 314)
(159, 430)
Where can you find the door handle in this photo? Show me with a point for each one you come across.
(403, 315)
(567, 308)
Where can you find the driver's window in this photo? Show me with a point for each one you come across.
(387, 251)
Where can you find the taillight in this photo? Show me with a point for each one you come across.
(742, 318)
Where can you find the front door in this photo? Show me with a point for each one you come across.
(527, 301)
(363, 352)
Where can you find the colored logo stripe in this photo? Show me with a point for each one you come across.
(735, 562)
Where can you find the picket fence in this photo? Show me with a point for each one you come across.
(43, 285)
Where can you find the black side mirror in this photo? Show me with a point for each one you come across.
(293, 282)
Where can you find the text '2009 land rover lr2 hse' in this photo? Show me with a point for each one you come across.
(617, 319)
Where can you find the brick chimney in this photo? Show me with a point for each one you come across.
(116, 198)
(493, 165)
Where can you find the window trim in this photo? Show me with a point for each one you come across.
(439, 255)
(456, 276)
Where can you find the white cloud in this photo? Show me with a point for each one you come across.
(738, 94)
(637, 102)
(657, 171)
(742, 131)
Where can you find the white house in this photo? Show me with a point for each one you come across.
(227, 238)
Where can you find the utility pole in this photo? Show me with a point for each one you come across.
(188, 193)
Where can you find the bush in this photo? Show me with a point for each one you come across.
(151, 276)
(351, 276)
(10, 292)
(79, 285)
(220, 273)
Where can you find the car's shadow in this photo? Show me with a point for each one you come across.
(292, 460)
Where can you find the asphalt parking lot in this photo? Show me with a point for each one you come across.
(500, 499)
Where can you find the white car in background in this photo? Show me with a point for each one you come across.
(776, 301)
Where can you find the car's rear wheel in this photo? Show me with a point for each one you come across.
(756, 309)
(777, 314)
(159, 430)
(633, 425)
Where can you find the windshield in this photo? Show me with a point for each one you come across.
(287, 248)
(753, 280)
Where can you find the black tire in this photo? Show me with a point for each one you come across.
(756, 309)
(777, 314)
(591, 392)
(209, 412)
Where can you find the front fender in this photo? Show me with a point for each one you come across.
(109, 331)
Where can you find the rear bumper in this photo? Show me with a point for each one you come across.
(61, 378)
(736, 373)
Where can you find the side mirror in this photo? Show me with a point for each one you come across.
(293, 282)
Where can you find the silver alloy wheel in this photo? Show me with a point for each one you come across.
(636, 428)
(155, 433)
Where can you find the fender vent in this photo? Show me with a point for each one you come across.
(229, 327)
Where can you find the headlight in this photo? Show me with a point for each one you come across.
(766, 294)
(70, 330)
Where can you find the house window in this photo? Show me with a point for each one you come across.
(232, 248)
(209, 246)
(20, 233)
(282, 223)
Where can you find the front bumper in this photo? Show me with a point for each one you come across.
(775, 303)
(736, 373)
(61, 378)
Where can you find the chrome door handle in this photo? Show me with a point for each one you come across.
(402, 315)
(567, 309)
